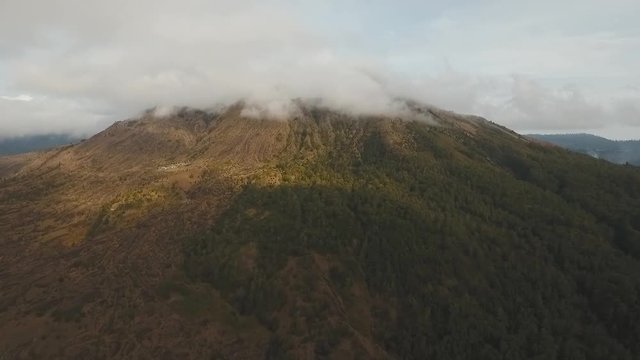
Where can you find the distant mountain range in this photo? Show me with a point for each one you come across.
(619, 152)
(22, 144)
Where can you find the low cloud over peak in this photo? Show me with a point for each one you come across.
(86, 63)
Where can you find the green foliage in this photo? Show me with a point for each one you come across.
(101, 220)
(487, 247)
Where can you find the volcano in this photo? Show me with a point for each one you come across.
(320, 234)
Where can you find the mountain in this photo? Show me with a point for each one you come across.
(323, 235)
(23, 144)
(619, 152)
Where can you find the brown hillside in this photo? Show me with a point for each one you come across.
(91, 233)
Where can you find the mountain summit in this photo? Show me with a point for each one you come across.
(321, 234)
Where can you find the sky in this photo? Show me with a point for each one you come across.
(561, 66)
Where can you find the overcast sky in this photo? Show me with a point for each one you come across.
(545, 65)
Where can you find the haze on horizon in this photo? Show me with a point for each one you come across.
(77, 65)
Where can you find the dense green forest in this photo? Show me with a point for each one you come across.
(468, 245)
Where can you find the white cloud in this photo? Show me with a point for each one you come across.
(49, 115)
(88, 62)
(22, 97)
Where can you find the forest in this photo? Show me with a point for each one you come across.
(485, 247)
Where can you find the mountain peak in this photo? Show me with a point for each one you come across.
(248, 134)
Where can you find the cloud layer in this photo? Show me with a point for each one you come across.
(75, 66)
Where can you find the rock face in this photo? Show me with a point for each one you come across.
(323, 235)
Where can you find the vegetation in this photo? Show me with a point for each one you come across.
(484, 247)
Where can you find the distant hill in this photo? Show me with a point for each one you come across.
(22, 144)
(619, 152)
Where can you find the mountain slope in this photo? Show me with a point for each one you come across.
(430, 235)
(619, 152)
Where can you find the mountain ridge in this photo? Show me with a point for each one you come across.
(29, 143)
(617, 151)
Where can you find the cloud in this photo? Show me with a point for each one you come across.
(22, 97)
(87, 63)
(46, 115)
